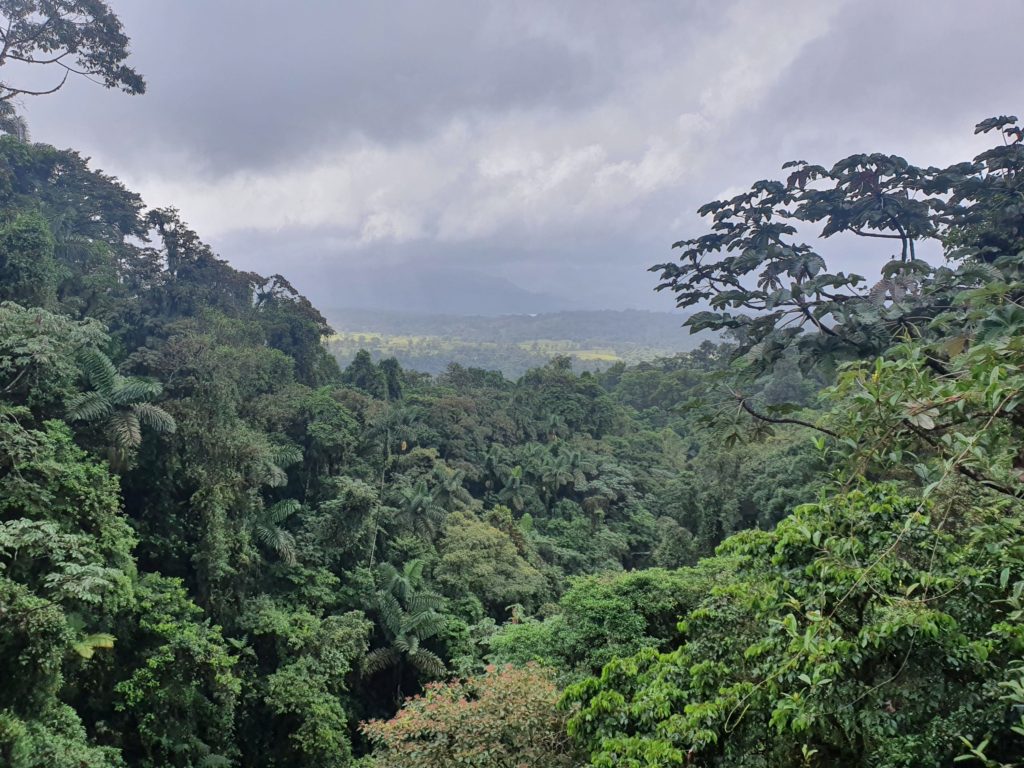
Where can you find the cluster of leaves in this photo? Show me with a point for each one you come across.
(504, 718)
(836, 639)
(776, 293)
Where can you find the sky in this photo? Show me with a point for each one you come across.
(469, 155)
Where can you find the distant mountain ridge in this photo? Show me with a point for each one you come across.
(425, 291)
(660, 329)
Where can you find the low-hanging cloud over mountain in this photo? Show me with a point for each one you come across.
(561, 147)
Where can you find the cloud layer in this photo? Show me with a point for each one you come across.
(561, 146)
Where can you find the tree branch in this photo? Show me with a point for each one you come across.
(745, 405)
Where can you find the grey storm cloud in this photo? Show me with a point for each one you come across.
(557, 147)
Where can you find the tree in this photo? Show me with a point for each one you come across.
(409, 617)
(28, 271)
(504, 718)
(174, 698)
(266, 527)
(122, 405)
(601, 618)
(65, 574)
(69, 37)
(39, 363)
(774, 292)
(12, 123)
(364, 375)
(297, 713)
(872, 629)
(482, 560)
(420, 509)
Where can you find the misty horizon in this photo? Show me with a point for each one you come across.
(455, 158)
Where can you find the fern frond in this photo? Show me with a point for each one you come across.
(428, 663)
(154, 417)
(98, 369)
(86, 647)
(379, 659)
(87, 406)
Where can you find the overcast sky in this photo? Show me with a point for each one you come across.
(560, 147)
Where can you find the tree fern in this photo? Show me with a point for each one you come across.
(266, 529)
(86, 646)
(121, 404)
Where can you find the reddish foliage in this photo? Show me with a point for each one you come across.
(505, 718)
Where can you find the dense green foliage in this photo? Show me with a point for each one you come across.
(837, 639)
(219, 548)
(882, 625)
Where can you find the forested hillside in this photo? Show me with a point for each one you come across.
(218, 544)
(802, 547)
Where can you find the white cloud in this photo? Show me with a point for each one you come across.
(532, 169)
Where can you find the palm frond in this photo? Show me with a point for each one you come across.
(131, 391)
(87, 406)
(428, 663)
(412, 571)
(378, 660)
(272, 475)
(424, 602)
(86, 646)
(282, 510)
(390, 612)
(277, 540)
(284, 455)
(154, 417)
(388, 575)
(423, 626)
(125, 430)
(98, 369)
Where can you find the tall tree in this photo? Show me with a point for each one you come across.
(69, 37)
(774, 292)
